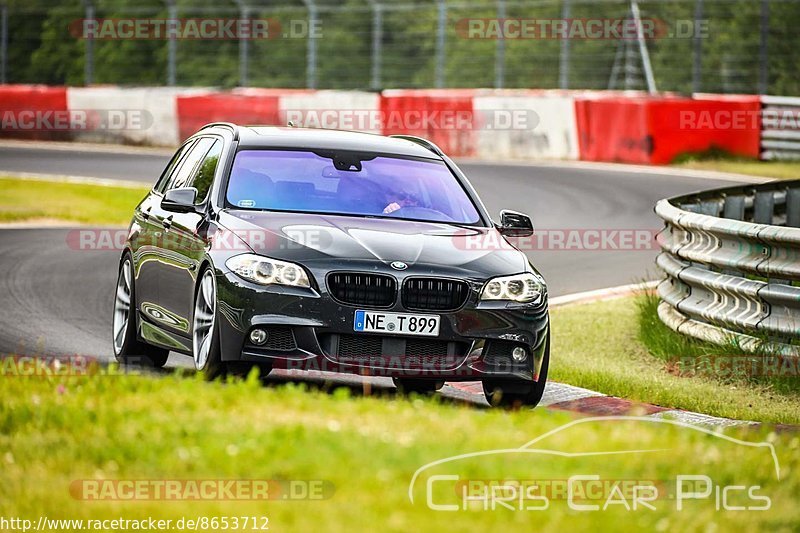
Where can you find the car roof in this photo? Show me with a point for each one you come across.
(327, 139)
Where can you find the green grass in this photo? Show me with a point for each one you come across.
(720, 161)
(54, 432)
(606, 346)
(768, 169)
(26, 200)
(729, 363)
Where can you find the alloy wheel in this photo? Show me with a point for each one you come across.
(205, 308)
(122, 306)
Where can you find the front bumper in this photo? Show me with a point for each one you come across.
(312, 331)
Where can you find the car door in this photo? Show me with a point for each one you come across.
(183, 245)
(146, 237)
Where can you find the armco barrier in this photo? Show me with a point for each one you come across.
(655, 130)
(732, 260)
(34, 112)
(780, 131)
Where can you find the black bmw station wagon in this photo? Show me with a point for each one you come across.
(330, 250)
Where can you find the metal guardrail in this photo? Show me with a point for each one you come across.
(780, 127)
(732, 261)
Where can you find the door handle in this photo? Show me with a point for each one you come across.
(167, 223)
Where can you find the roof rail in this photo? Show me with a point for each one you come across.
(233, 127)
(425, 143)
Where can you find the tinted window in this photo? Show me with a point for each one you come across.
(190, 162)
(203, 175)
(417, 189)
(167, 175)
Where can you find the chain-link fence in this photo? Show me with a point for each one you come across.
(723, 46)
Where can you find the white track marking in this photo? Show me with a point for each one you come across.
(603, 294)
(81, 180)
(626, 168)
(698, 419)
(559, 392)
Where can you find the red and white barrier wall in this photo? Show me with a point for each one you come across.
(482, 123)
(655, 131)
(526, 125)
(22, 106)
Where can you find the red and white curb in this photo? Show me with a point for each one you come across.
(591, 403)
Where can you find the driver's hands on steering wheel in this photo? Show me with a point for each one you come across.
(391, 208)
(401, 200)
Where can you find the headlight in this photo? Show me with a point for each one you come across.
(266, 271)
(523, 288)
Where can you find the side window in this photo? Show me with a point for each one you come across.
(189, 163)
(166, 176)
(203, 176)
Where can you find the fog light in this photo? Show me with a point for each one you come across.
(519, 354)
(258, 336)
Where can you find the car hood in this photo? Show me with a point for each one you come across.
(307, 238)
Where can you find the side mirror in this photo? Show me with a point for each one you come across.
(513, 224)
(180, 200)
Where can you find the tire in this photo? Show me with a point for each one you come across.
(209, 361)
(518, 393)
(128, 349)
(418, 386)
(206, 350)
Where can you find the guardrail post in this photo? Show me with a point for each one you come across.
(88, 66)
(500, 51)
(697, 49)
(377, 44)
(763, 56)
(311, 51)
(648, 68)
(172, 45)
(734, 208)
(705, 208)
(3, 43)
(763, 207)
(244, 46)
(563, 60)
(793, 208)
(441, 28)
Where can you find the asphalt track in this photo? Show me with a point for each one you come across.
(57, 301)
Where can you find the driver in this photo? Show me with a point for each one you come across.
(398, 200)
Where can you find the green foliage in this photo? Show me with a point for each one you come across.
(43, 50)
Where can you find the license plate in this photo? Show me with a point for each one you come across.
(400, 323)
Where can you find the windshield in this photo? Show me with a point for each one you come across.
(351, 184)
